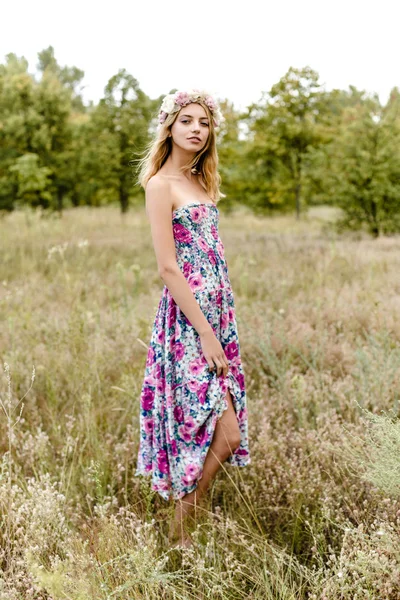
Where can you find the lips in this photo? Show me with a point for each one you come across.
(194, 138)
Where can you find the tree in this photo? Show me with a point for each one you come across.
(70, 77)
(18, 122)
(32, 181)
(125, 113)
(232, 150)
(35, 120)
(282, 130)
(364, 176)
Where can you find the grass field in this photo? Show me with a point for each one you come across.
(315, 515)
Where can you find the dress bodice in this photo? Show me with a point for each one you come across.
(199, 249)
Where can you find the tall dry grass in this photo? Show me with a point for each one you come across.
(315, 515)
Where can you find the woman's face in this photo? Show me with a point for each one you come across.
(192, 122)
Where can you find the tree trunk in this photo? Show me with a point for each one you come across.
(375, 222)
(298, 189)
(123, 198)
(60, 197)
(375, 230)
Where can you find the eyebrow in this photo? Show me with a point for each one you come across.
(191, 116)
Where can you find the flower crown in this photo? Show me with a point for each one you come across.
(173, 103)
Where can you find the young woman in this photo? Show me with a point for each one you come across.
(193, 413)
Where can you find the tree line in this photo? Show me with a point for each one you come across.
(298, 146)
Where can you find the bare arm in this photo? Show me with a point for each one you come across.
(159, 209)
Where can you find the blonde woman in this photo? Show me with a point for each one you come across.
(193, 413)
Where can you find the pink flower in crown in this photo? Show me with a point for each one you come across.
(196, 214)
(182, 98)
(212, 105)
(196, 282)
(148, 425)
(162, 116)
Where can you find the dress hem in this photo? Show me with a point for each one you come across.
(230, 461)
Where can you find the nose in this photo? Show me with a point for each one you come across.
(195, 127)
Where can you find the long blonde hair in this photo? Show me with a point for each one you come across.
(205, 162)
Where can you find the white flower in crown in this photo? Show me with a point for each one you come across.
(168, 103)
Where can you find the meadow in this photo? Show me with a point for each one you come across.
(315, 515)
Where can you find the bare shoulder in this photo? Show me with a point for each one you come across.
(158, 194)
(157, 183)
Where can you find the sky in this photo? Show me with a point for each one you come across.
(236, 49)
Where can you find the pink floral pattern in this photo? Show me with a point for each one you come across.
(181, 399)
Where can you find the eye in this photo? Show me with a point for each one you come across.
(186, 121)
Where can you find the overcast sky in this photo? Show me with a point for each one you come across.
(235, 49)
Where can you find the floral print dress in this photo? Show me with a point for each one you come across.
(181, 398)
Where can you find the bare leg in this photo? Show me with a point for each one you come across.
(225, 440)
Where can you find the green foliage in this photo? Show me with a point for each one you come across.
(297, 147)
(124, 115)
(81, 153)
(365, 170)
(32, 182)
(381, 457)
(281, 131)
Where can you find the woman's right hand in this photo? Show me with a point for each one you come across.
(214, 353)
